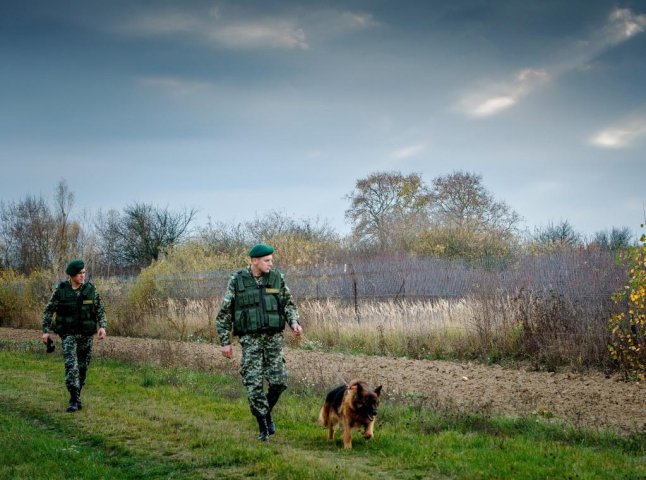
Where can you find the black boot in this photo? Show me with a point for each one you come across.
(74, 401)
(263, 436)
(271, 426)
(82, 375)
(272, 398)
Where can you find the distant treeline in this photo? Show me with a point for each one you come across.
(390, 214)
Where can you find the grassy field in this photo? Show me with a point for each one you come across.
(145, 422)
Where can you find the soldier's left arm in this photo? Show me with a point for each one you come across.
(291, 312)
(100, 312)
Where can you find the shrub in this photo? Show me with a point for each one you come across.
(463, 242)
(628, 325)
(23, 298)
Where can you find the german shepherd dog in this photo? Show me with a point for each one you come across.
(353, 406)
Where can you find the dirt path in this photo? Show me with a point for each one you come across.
(589, 400)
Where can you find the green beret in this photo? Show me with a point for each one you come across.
(260, 250)
(74, 267)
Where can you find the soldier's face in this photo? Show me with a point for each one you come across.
(263, 264)
(79, 278)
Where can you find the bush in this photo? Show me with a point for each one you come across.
(465, 243)
(561, 330)
(23, 298)
(628, 325)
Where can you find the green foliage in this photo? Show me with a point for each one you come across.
(151, 422)
(628, 325)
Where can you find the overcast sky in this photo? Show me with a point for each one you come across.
(238, 108)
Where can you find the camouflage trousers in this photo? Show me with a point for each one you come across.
(262, 360)
(77, 353)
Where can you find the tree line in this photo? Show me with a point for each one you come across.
(454, 216)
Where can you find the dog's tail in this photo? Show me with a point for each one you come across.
(324, 415)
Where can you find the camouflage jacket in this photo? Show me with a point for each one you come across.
(224, 318)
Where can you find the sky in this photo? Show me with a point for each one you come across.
(239, 108)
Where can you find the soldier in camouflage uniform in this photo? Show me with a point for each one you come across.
(79, 312)
(256, 306)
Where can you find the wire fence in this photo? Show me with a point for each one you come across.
(580, 276)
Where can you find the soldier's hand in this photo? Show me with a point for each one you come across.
(45, 338)
(297, 329)
(227, 351)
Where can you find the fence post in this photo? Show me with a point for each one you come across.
(402, 289)
(354, 290)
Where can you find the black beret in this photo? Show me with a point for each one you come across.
(74, 267)
(260, 250)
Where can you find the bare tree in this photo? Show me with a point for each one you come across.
(384, 201)
(223, 237)
(27, 229)
(461, 200)
(274, 224)
(146, 231)
(614, 239)
(109, 240)
(557, 236)
(66, 233)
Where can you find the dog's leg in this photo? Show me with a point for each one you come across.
(368, 433)
(347, 435)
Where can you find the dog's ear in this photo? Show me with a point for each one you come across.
(378, 390)
(359, 389)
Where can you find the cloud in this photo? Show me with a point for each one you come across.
(622, 135)
(213, 28)
(498, 97)
(244, 30)
(624, 24)
(494, 98)
(268, 33)
(407, 152)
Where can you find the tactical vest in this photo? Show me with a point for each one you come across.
(76, 313)
(257, 308)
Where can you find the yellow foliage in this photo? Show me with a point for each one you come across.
(628, 327)
(461, 242)
(183, 259)
(23, 298)
(295, 251)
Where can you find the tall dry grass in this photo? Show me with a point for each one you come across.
(169, 319)
(444, 328)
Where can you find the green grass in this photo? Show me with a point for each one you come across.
(146, 422)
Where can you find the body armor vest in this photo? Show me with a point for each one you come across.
(76, 311)
(257, 307)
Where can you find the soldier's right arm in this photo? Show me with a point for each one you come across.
(50, 309)
(224, 319)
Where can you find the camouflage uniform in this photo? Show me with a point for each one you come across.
(77, 348)
(262, 356)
